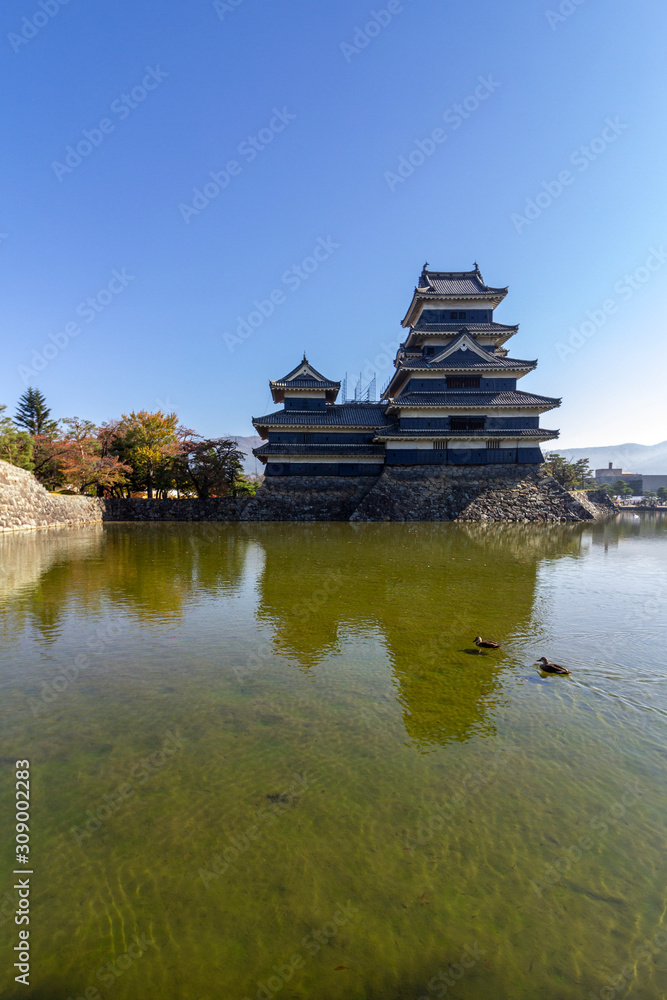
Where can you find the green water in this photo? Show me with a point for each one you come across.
(281, 763)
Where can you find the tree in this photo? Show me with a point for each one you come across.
(33, 413)
(662, 493)
(82, 463)
(16, 447)
(623, 488)
(608, 489)
(571, 475)
(146, 442)
(215, 466)
(49, 449)
(247, 486)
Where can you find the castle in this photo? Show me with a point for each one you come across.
(452, 400)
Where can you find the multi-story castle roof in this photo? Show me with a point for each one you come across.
(465, 287)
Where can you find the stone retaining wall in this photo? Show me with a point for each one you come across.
(137, 509)
(596, 502)
(483, 493)
(25, 504)
(308, 498)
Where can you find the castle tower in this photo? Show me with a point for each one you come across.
(453, 398)
(312, 436)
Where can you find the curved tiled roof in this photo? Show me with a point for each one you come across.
(463, 283)
(456, 327)
(465, 359)
(452, 285)
(472, 398)
(304, 377)
(304, 383)
(343, 415)
(316, 378)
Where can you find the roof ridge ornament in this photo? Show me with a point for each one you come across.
(423, 284)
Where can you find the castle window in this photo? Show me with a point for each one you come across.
(493, 445)
(467, 423)
(457, 315)
(440, 444)
(463, 382)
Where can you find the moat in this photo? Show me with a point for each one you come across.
(267, 760)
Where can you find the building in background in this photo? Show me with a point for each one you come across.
(651, 483)
(640, 484)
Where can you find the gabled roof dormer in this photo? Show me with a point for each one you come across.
(304, 380)
(464, 342)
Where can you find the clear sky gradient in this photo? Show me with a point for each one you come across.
(305, 120)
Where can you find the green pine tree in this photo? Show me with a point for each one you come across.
(16, 447)
(33, 413)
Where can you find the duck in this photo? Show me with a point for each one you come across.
(486, 643)
(551, 668)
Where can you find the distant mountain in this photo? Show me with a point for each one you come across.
(648, 459)
(246, 444)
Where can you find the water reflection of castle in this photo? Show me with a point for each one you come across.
(427, 589)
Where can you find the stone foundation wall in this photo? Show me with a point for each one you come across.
(281, 498)
(137, 509)
(25, 504)
(308, 498)
(596, 502)
(482, 493)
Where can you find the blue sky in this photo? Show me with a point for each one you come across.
(550, 174)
